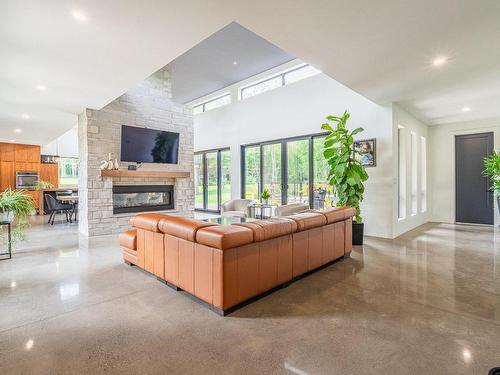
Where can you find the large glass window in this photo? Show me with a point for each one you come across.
(261, 87)
(225, 175)
(68, 171)
(281, 79)
(287, 169)
(198, 181)
(322, 191)
(414, 183)
(252, 172)
(401, 174)
(298, 171)
(423, 174)
(272, 171)
(212, 178)
(212, 104)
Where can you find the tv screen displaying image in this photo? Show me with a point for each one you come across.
(149, 145)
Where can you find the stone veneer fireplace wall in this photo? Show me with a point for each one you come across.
(99, 133)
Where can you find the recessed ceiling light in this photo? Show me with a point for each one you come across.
(40, 87)
(235, 62)
(465, 109)
(25, 116)
(18, 130)
(439, 61)
(79, 16)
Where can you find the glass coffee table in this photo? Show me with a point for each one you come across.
(228, 220)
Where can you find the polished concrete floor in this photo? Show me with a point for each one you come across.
(426, 303)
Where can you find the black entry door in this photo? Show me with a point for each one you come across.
(473, 200)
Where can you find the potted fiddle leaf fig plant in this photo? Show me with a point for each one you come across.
(492, 171)
(16, 206)
(346, 175)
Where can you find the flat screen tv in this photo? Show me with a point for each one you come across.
(149, 145)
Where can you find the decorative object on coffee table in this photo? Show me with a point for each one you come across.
(264, 196)
(346, 174)
(262, 211)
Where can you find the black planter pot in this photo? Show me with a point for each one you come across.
(357, 233)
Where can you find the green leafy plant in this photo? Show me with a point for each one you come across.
(42, 185)
(265, 194)
(492, 170)
(20, 205)
(346, 175)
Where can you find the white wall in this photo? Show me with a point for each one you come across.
(299, 109)
(442, 170)
(65, 145)
(409, 124)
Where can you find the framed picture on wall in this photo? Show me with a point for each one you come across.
(365, 152)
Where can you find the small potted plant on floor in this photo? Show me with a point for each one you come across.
(346, 175)
(492, 171)
(264, 196)
(16, 206)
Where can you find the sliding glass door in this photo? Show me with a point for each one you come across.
(293, 170)
(212, 179)
(297, 171)
(251, 175)
(199, 171)
(225, 175)
(271, 171)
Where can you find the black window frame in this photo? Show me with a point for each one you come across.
(283, 80)
(284, 164)
(205, 178)
(203, 104)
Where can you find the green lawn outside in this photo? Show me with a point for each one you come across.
(212, 195)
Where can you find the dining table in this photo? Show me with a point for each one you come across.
(70, 199)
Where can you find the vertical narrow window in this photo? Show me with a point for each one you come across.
(401, 174)
(252, 172)
(199, 171)
(212, 179)
(322, 191)
(225, 178)
(271, 171)
(414, 182)
(423, 174)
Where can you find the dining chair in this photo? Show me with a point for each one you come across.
(57, 207)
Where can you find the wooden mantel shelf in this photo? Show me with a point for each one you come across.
(143, 174)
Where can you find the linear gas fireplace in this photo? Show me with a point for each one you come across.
(139, 198)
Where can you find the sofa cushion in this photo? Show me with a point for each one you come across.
(182, 227)
(308, 220)
(128, 239)
(224, 237)
(335, 214)
(147, 221)
(291, 209)
(270, 228)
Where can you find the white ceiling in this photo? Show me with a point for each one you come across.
(210, 65)
(381, 49)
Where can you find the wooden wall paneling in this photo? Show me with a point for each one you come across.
(27, 167)
(7, 175)
(7, 152)
(50, 173)
(21, 153)
(33, 153)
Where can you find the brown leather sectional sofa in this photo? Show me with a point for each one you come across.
(225, 266)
